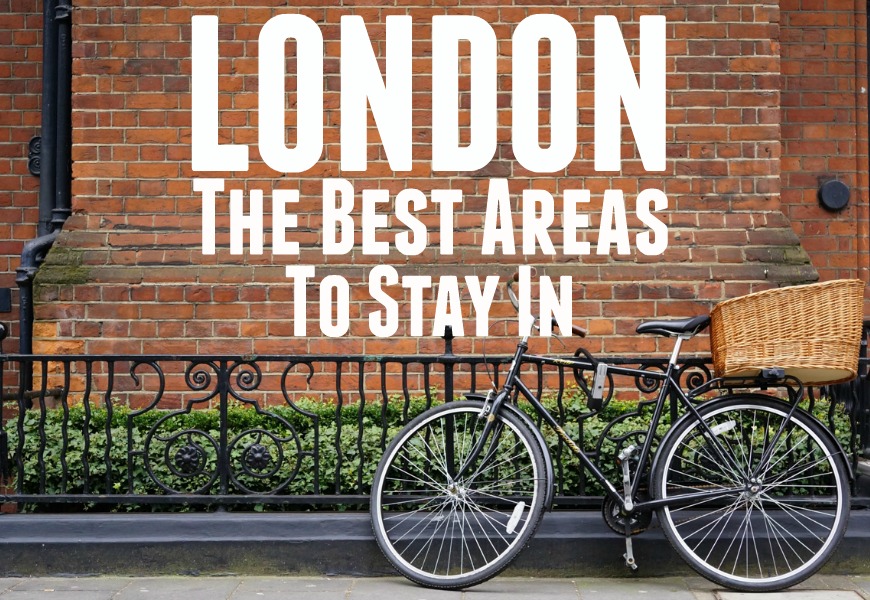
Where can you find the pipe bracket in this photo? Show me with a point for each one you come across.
(34, 153)
(62, 12)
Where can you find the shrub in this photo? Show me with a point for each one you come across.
(79, 451)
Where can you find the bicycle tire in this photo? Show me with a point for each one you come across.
(781, 520)
(453, 536)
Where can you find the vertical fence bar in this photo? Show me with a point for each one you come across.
(107, 454)
(223, 454)
(581, 480)
(360, 425)
(862, 423)
(560, 406)
(4, 437)
(43, 416)
(449, 444)
(385, 405)
(86, 427)
(427, 388)
(406, 393)
(339, 399)
(64, 399)
(22, 408)
(448, 363)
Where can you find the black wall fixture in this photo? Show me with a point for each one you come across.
(834, 195)
(5, 300)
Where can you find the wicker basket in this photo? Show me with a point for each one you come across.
(811, 331)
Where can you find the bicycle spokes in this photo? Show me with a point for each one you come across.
(783, 493)
(453, 510)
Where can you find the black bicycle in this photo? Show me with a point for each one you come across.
(750, 490)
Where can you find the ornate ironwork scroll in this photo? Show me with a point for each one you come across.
(300, 430)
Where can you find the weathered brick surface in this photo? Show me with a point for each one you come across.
(137, 216)
(20, 86)
(128, 274)
(824, 130)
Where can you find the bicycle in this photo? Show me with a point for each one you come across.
(750, 490)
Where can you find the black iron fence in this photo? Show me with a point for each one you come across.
(291, 431)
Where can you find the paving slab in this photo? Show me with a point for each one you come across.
(8, 583)
(70, 584)
(794, 595)
(387, 588)
(50, 594)
(823, 581)
(279, 588)
(672, 588)
(503, 587)
(63, 588)
(178, 588)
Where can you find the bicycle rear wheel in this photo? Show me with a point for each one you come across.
(767, 511)
(447, 532)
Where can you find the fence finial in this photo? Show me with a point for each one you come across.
(448, 339)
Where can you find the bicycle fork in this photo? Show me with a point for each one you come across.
(491, 431)
(491, 407)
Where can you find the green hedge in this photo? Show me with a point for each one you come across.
(353, 475)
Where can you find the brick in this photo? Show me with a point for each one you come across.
(731, 68)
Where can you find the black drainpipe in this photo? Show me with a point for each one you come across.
(48, 151)
(32, 256)
(63, 176)
(55, 172)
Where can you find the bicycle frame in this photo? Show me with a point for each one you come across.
(669, 386)
(740, 453)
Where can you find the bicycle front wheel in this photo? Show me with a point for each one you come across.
(760, 501)
(450, 532)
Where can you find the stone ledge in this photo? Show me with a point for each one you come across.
(567, 544)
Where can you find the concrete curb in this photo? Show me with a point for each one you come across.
(568, 544)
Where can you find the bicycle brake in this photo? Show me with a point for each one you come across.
(487, 404)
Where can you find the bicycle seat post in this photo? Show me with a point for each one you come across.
(675, 354)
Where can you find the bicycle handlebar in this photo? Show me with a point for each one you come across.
(575, 329)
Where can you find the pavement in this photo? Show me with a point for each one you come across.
(819, 587)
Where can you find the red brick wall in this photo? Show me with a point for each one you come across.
(20, 85)
(824, 129)
(140, 282)
(128, 275)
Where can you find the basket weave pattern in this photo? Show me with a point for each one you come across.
(811, 331)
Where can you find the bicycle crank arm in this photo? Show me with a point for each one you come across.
(629, 554)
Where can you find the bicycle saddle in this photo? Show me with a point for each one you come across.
(674, 327)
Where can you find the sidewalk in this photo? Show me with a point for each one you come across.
(823, 587)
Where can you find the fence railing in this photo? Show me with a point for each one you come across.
(103, 431)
